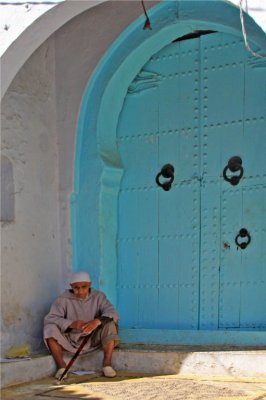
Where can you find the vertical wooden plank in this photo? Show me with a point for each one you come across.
(253, 268)
(150, 217)
(178, 277)
(138, 209)
(253, 300)
(236, 125)
(222, 133)
(253, 282)
(127, 282)
(179, 208)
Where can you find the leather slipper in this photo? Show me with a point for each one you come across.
(109, 372)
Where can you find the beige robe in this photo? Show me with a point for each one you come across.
(67, 308)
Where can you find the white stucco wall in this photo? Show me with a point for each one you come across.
(31, 243)
(39, 119)
(40, 108)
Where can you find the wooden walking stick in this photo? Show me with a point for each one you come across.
(71, 362)
(103, 320)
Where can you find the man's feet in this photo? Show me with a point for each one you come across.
(59, 373)
(109, 372)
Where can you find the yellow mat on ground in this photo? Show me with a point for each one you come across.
(169, 387)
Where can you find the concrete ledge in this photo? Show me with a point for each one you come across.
(154, 360)
(27, 370)
(212, 363)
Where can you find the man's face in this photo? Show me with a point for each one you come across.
(81, 289)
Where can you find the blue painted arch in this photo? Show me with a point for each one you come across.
(98, 169)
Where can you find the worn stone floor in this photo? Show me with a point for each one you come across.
(133, 386)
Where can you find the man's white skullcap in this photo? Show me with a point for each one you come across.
(80, 277)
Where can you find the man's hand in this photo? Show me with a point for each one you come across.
(86, 327)
(78, 325)
(90, 326)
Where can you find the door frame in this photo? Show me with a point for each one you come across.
(96, 133)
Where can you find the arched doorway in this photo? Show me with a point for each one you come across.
(168, 258)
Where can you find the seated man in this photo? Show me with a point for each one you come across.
(76, 313)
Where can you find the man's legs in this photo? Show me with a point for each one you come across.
(107, 337)
(56, 351)
(108, 352)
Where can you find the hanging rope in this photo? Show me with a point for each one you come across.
(245, 33)
(147, 24)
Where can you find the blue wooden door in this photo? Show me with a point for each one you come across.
(195, 104)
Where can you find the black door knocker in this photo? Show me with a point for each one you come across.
(167, 172)
(243, 233)
(234, 165)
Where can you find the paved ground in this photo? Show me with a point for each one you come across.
(139, 387)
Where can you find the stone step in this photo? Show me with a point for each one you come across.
(164, 360)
